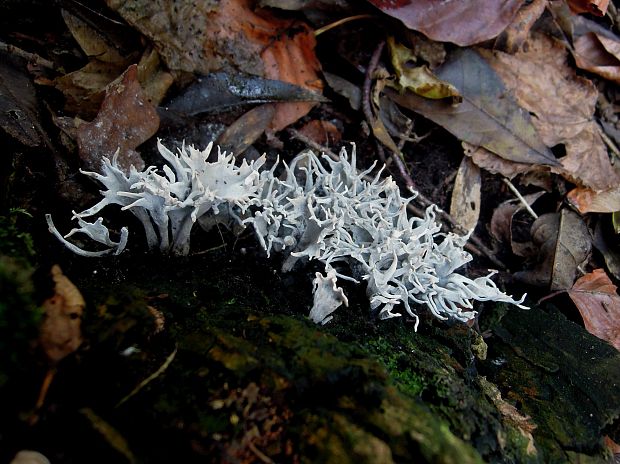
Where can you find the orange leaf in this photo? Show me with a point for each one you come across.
(589, 201)
(230, 35)
(596, 7)
(60, 333)
(126, 120)
(596, 299)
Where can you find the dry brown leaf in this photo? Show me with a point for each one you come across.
(465, 203)
(155, 81)
(562, 105)
(589, 201)
(112, 436)
(322, 132)
(91, 41)
(518, 30)
(19, 107)
(598, 54)
(493, 163)
(229, 36)
(596, 7)
(596, 298)
(60, 333)
(125, 121)
(242, 133)
(605, 242)
(565, 243)
(464, 22)
(84, 89)
(501, 223)
(488, 116)
(293, 60)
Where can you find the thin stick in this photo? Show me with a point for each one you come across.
(476, 246)
(340, 22)
(366, 108)
(520, 197)
(150, 378)
(372, 65)
(45, 386)
(32, 57)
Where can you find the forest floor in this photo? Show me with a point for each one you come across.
(508, 126)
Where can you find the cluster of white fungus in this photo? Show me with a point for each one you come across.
(328, 211)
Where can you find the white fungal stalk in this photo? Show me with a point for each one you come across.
(358, 229)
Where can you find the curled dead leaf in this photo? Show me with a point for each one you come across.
(562, 105)
(493, 163)
(589, 201)
(60, 333)
(565, 243)
(465, 22)
(598, 54)
(596, 298)
(126, 120)
(419, 79)
(517, 32)
(502, 222)
(465, 202)
(322, 132)
(596, 7)
(487, 117)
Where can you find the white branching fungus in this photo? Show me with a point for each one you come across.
(327, 211)
(328, 297)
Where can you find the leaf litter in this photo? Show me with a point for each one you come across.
(515, 103)
(597, 300)
(562, 105)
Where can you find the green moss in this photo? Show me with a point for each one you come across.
(251, 368)
(19, 316)
(14, 240)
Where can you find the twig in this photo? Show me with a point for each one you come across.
(520, 197)
(372, 65)
(150, 378)
(32, 57)
(340, 22)
(259, 454)
(476, 246)
(366, 108)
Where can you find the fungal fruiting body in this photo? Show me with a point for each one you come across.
(324, 210)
